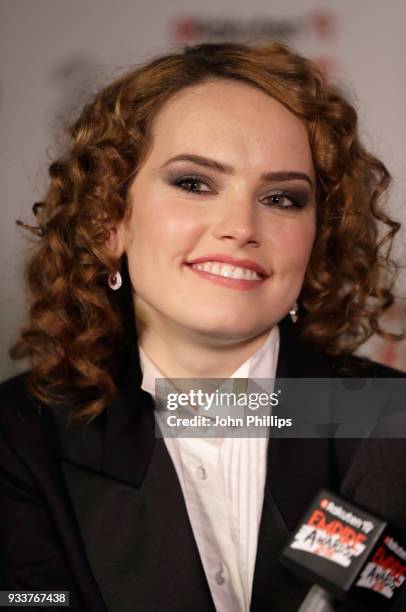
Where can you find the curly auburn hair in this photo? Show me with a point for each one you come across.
(77, 327)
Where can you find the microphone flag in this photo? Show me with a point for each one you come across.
(353, 554)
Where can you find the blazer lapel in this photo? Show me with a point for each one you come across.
(130, 509)
(119, 443)
(297, 469)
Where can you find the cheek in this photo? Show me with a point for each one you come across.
(162, 231)
(291, 246)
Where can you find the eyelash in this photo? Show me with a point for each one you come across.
(296, 201)
(192, 178)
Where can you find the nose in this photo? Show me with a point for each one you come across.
(237, 221)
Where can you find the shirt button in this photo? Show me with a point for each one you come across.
(201, 472)
(220, 577)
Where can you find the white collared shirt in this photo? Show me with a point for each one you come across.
(222, 481)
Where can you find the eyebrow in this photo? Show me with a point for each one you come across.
(281, 175)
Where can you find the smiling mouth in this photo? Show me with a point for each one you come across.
(228, 271)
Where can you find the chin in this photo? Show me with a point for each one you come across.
(232, 332)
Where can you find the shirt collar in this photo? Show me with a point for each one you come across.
(262, 364)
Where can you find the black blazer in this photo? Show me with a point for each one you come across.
(98, 509)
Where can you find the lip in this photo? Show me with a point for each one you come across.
(231, 283)
(241, 263)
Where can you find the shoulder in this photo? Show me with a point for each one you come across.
(17, 425)
(361, 367)
(13, 389)
(298, 358)
(28, 438)
(17, 406)
(346, 365)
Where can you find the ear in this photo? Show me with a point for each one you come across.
(115, 241)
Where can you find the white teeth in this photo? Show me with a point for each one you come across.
(228, 271)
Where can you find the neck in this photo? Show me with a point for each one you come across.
(186, 355)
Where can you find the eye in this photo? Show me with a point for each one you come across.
(283, 199)
(192, 183)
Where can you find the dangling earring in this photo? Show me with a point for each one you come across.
(293, 312)
(115, 280)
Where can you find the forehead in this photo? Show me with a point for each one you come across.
(235, 120)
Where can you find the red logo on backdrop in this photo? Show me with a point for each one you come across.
(190, 29)
(187, 29)
(324, 24)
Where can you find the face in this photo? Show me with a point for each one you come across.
(222, 214)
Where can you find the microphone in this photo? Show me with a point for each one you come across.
(354, 551)
(317, 600)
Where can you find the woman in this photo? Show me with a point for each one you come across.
(218, 198)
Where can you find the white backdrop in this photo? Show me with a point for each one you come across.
(54, 51)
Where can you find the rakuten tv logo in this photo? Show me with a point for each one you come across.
(347, 516)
